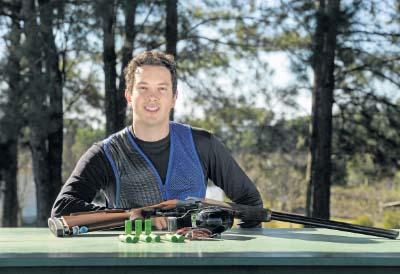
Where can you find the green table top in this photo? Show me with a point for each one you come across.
(38, 247)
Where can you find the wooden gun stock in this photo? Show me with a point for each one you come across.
(102, 219)
(93, 220)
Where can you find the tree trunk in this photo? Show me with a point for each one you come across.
(10, 124)
(107, 13)
(37, 112)
(127, 50)
(319, 164)
(54, 81)
(8, 173)
(171, 32)
(41, 174)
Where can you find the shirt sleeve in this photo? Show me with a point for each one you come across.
(91, 173)
(225, 172)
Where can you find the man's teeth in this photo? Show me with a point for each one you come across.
(151, 108)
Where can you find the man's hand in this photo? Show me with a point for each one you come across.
(159, 223)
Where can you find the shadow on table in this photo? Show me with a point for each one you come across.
(227, 236)
(236, 237)
(309, 234)
(327, 238)
(319, 237)
(103, 235)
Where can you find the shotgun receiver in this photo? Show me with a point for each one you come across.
(203, 213)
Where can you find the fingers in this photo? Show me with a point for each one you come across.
(135, 215)
(159, 223)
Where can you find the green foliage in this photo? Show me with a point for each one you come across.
(366, 142)
(236, 123)
(339, 174)
(367, 138)
(391, 219)
(78, 138)
(280, 179)
(352, 202)
(85, 137)
(360, 169)
(292, 40)
(272, 152)
(364, 220)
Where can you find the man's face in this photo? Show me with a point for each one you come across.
(151, 98)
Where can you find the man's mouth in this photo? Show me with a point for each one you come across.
(151, 107)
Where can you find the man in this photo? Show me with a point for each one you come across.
(153, 159)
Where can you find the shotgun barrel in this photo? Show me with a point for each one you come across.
(322, 223)
(250, 213)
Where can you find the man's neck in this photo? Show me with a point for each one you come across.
(150, 134)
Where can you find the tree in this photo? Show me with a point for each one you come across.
(368, 115)
(53, 77)
(36, 110)
(365, 58)
(171, 32)
(44, 114)
(106, 10)
(129, 8)
(11, 122)
(319, 166)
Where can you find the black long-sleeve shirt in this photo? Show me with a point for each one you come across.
(93, 172)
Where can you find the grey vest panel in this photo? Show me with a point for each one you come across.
(136, 184)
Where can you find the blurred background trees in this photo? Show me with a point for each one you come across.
(256, 73)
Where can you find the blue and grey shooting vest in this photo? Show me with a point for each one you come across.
(137, 181)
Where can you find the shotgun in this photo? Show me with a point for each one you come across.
(194, 212)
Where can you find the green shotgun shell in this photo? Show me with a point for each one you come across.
(171, 237)
(181, 238)
(155, 238)
(147, 226)
(128, 227)
(128, 238)
(145, 238)
(138, 227)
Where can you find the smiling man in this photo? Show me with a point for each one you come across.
(153, 159)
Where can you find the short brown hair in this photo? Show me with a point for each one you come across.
(155, 58)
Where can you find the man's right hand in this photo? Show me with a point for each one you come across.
(159, 223)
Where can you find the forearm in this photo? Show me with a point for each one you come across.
(66, 204)
(228, 175)
(91, 174)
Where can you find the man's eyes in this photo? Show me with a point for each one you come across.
(144, 89)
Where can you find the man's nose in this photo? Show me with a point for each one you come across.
(152, 92)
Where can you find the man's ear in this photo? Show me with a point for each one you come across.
(128, 96)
